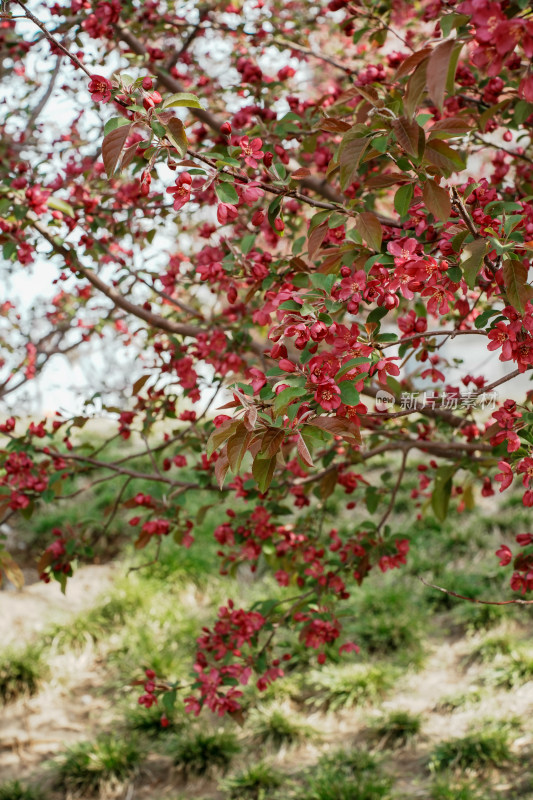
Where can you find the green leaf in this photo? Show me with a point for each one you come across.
(349, 394)
(182, 99)
(377, 314)
(287, 396)
(442, 489)
(450, 21)
(227, 193)
(483, 318)
(402, 199)
(60, 205)
(475, 253)
(175, 132)
(113, 123)
(353, 362)
(263, 472)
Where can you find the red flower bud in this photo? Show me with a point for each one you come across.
(258, 217)
(225, 128)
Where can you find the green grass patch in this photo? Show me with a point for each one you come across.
(278, 727)
(203, 753)
(93, 766)
(334, 688)
(486, 747)
(21, 673)
(256, 783)
(396, 729)
(448, 788)
(14, 790)
(346, 775)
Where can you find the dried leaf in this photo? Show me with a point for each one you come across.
(12, 570)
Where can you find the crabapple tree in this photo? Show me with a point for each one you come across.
(296, 216)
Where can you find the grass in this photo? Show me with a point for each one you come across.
(346, 775)
(278, 728)
(14, 790)
(92, 766)
(203, 753)
(478, 750)
(396, 729)
(446, 788)
(345, 687)
(451, 703)
(256, 782)
(21, 674)
(493, 646)
(388, 622)
(518, 670)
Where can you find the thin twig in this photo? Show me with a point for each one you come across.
(518, 601)
(52, 39)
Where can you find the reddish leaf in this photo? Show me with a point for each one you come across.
(416, 89)
(303, 451)
(221, 469)
(315, 239)
(250, 418)
(410, 136)
(453, 126)
(220, 435)
(143, 540)
(389, 179)
(444, 157)
(112, 148)
(369, 226)
(437, 200)
(437, 71)
(338, 426)
(516, 286)
(272, 440)
(333, 125)
(300, 174)
(353, 146)
(237, 446)
(327, 484)
(411, 62)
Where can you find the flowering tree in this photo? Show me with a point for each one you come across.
(267, 202)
